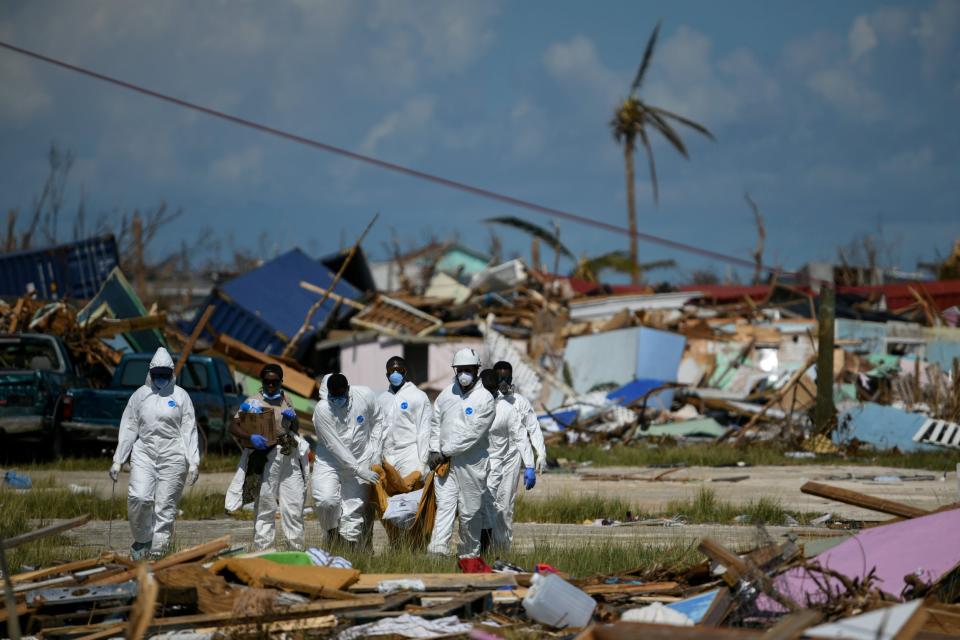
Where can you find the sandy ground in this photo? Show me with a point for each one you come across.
(782, 483)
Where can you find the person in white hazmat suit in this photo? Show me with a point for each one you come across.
(285, 466)
(158, 433)
(407, 414)
(462, 416)
(527, 415)
(349, 428)
(509, 449)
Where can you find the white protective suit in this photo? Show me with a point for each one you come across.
(348, 439)
(158, 432)
(509, 449)
(406, 428)
(460, 429)
(283, 485)
(529, 419)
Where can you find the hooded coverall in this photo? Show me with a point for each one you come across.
(158, 432)
(509, 447)
(283, 484)
(528, 417)
(459, 430)
(406, 428)
(348, 439)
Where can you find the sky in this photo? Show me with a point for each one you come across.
(839, 118)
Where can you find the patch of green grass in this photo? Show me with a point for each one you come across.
(569, 508)
(579, 560)
(757, 454)
(210, 463)
(704, 508)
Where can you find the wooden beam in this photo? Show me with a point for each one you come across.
(192, 340)
(440, 581)
(79, 565)
(792, 626)
(862, 500)
(187, 555)
(30, 536)
(296, 381)
(107, 327)
(312, 288)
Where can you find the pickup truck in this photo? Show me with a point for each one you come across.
(93, 415)
(35, 371)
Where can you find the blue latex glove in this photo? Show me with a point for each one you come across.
(289, 413)
(529, 478)
(259, 442)
(245, 407)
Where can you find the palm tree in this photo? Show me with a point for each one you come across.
(631, 121)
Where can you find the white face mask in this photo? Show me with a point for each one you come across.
(465, 378)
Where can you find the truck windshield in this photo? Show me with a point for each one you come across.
(22, 354)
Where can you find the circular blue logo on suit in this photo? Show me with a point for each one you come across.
(359, 419)
(171, 403)
(469, 411)
(404, 406)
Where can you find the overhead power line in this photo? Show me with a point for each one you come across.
(390, 166)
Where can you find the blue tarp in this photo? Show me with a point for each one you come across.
(265, 307)
(881, 426)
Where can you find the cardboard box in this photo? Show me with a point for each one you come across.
(263, 423)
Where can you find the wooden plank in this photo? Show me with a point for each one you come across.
(862, 500)
(439, 581)
(669, 588)
(792, 626)
(79, 565)
(308, 589)
(107, 632)
(294, 380)
(187, 555)
(292, 613)
(192, 340)
(312, 288)
(107, 327)
(30, 536)
(143, 607)
(288, 628)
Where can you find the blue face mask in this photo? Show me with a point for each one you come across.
(338, 401)
(395, 378)
(161, 381)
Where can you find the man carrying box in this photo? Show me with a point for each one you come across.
(274, 464)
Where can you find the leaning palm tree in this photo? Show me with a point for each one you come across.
(631, 120)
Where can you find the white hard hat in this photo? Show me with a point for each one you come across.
(466, 358)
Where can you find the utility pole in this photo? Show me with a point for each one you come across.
(825, 413)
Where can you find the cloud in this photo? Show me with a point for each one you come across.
(862, 37)
(416, 38)
(527, 128)
(23, 96)
(410, 118)
(575, 63)
(843, 90)
(937, 31)
(245, 166)
(686, 79)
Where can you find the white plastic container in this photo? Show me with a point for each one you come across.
(553, 601)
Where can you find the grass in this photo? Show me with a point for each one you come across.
(704, 508)
(211, 463)
(582, 560)
(757, 454)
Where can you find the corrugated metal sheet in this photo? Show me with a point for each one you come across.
(75, 270)
(264, 308)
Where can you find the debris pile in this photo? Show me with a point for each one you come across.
(900, 579)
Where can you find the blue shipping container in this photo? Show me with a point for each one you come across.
(75, 270)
